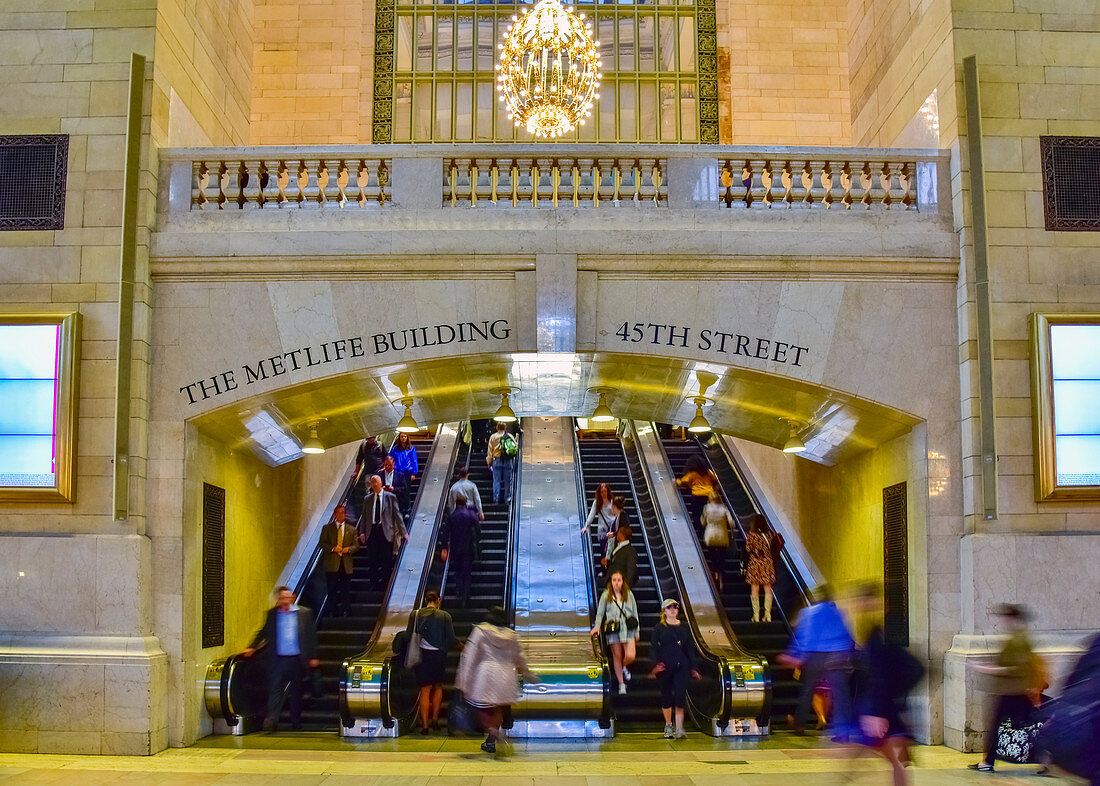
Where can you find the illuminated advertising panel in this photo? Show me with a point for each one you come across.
(37, 406)
(1066, 381)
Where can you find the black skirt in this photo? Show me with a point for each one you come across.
(432, 667)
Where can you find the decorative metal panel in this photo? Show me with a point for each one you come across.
(706, 27)
(213, 566)
(1071, 182)
(382, 107)
(34, 170)
(895, 563)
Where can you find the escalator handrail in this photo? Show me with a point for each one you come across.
(589, 571)
(800, 582)
(513, 526)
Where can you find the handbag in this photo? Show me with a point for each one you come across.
(1017, 744)
(611, 626)
(413, 653)
(461, 716)
(631, 622)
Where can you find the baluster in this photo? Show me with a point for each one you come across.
(303, 181)
(203, 181)
(865, 184)
(636, 173)
(656, 177)
(242, 181)
(362, 178)
(617, 180)
(725, 179)
(555, 180)
(787, 179)
(265, 179)
(808, 184)
(342, 178)
(473, 182)
(766, 182)
(746, 181)
(827, 184)
(494, 178)
(596, 183)
(383, 180)
(515, 182)
(884, 181)
(576, 184)
(536, 175)
(322, 182)
(452, 177)
(223, 184)
(846, 184)
(282, 179)
(905, 180)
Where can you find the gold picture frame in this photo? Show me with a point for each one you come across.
(1047, 488)
(65, 409)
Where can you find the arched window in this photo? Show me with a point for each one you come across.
(435, 75)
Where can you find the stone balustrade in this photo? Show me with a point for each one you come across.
(518, 177)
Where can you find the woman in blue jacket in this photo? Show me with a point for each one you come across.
(404, 456)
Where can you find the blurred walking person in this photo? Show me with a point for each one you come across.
(289, 644)
(487, 673)
(718, 523)
(460, 535)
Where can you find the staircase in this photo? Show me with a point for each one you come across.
(602, 461)
(762, 638)
(339, 637)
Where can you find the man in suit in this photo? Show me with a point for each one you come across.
(396, 481)
(460, 534)
(381, 529)
(339, 542)
(624, 557)
(290, 647)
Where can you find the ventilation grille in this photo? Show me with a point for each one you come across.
(213, 566)
(33, 196)
(895, 563)
(1071, 182)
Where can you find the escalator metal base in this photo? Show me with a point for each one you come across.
(244, 726)
(740, 727)
(369, 728)
(564, 729)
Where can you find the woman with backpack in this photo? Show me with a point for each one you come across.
(617, 620)
(760, 570)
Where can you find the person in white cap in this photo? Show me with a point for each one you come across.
(673, 652)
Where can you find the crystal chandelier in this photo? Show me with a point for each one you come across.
(549, 69)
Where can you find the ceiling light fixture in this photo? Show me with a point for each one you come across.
(313, 445)
(549, 69)
(794, 443)
(699, 424)
(602, 413)
(407, 424)
(504, 413)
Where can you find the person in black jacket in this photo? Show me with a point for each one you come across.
(290, 647)
(673, 653)
(460, 535)
(437, 636)
(624, 557)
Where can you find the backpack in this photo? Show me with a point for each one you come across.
(508, 445)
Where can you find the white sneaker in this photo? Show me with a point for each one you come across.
(681, 734)
(626, 674)
(622, 688)
(669, 733)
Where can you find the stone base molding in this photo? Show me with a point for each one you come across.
(82, 694)
(967, 701)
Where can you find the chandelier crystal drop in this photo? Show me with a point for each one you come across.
(549, 69)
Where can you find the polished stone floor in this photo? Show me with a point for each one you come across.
(628, 760)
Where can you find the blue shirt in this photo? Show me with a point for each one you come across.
(820, 628)
(286, 632)
(406, 461)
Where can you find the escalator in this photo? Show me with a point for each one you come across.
(338, 637)
(765, 638)
(602, 461)
(235, 687)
